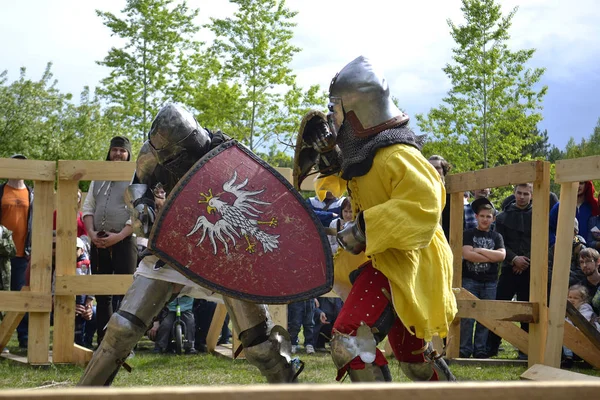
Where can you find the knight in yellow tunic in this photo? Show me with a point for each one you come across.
(404, 287)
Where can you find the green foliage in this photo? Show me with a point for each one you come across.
(37, 120)
(254, 50)
(489, 117)
(277, 158)
(587, 147)
(148, 70)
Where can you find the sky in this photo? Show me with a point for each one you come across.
(408, 40)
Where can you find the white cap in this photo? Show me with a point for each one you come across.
(80, 244)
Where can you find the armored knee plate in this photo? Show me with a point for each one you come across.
(424, 371)
(345, 348)
(144, 299)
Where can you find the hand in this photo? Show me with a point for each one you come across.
(317, 305)
(95, 239)
(323, 319)
(110, 239)
(85, 311)
(353, 238)
(520, 264)
(317, 134)
(153, 330)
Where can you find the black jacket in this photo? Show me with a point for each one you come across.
(29, 217)
(514, 224)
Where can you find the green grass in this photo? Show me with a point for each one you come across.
(170, 370)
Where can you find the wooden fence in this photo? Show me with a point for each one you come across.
(495, 315)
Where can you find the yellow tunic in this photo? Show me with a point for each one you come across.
(402, 198)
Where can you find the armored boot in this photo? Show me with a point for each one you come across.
(266, 346)
(434, 363)
(142, 302)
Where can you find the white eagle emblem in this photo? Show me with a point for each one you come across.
(237, 220)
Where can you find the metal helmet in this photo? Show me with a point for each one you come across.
(177, 139)
(361, 95)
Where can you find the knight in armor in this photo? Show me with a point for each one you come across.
(399, 272)
(175, 142)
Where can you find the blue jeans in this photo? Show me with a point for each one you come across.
(301, 314)
(18, 266)
(476, 345)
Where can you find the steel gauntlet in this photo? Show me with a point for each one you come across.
(142, 208)
(352, 238)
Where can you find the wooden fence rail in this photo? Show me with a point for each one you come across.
(69, 173)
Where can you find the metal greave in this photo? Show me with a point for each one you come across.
(266, 346)
(142, 302)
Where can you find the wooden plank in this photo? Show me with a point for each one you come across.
(557, 390)
(41, 272)
(9, 323)
(487, 362)
(506, 330)
(581, 345)
(577, 170)
(34, 170)
(212, 337)
(93, 284)
(538, 283)
(95, 170)
(66, 258)
(224, 350)
(279, 314)
(583, 325)
(539, 372)
(25, 302)
(560, 273)
(456, 238)
(286, 173)
(493, 177)
(519, 311)
(81, 355)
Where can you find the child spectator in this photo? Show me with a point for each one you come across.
(326, 312)
(163, 326)
(580, 298)
(85, 321)
(482, 251)
(300, 315)
(339, 223)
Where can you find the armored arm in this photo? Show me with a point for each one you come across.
(315, 146)
(142, 206)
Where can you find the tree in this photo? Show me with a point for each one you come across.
(255, 51)
(38, 120)
(491, 113)
(145, 71)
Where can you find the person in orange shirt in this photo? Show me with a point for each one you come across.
(16, 200)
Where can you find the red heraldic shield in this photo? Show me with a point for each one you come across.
(236, 226)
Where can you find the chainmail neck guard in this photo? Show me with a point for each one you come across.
(358, 153)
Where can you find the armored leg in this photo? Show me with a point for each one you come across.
(356, 355)
(418, 360)
(266, 346)
(142, 302)
(434, 366)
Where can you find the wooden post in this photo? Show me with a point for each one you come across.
(456, 235)
(560, 273)
(212, 337)
(538, 284)
(41, 271)
(66, 236)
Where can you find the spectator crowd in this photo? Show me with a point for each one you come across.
(496, 261)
